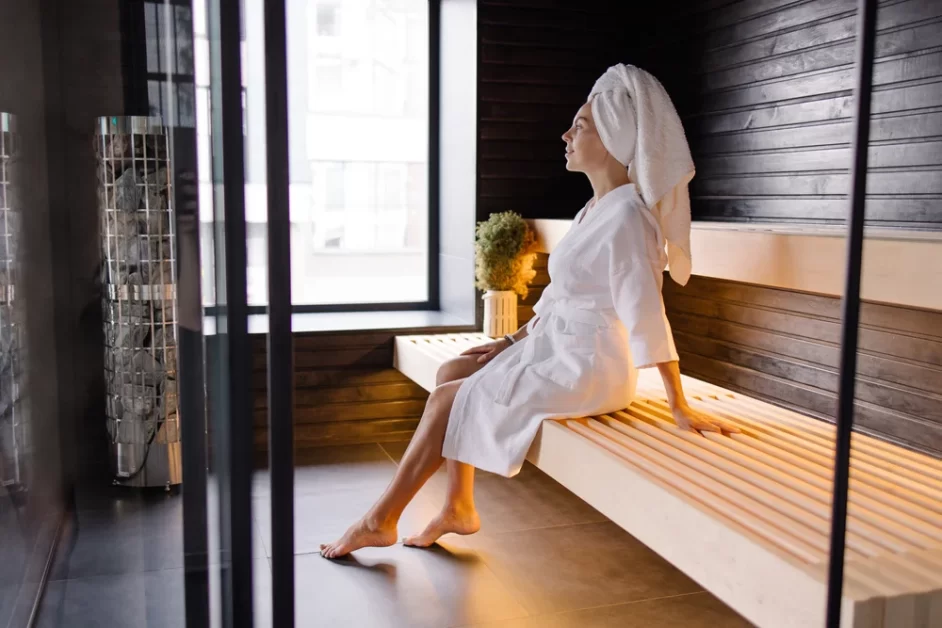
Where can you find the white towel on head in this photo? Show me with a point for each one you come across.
(641, 129)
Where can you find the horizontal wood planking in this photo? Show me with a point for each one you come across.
(372, 393)
(345, 433)
(783, 346)
(769, 113)
(356, 411)
(764, 89)
(346, 390)
(537, 61)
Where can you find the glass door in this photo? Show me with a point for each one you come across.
(232, 223)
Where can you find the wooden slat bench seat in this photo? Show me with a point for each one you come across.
(747, 515)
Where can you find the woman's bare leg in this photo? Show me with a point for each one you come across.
(422, 458)
(458, 515)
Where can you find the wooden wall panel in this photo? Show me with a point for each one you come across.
(764, 89)
(537, 61)
(784, 346)
(346, 390)
(770, 126)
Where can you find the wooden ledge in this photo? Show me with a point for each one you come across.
(899, 267)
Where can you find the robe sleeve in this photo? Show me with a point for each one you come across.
(636, 295)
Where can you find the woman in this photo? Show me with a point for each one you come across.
(601, 318)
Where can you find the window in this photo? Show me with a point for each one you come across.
(358, 75)
(334, 186)
(327, 20)
(392, 187)
(325, 89)
(365, 73)
(334, 239)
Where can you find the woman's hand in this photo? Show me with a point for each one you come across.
(686, 417)
(689, 419)
(489, 351)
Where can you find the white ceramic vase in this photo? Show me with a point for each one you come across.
(500, 312)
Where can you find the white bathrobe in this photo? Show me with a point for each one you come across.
(601, 318)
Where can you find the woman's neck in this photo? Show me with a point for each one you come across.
(605, 180)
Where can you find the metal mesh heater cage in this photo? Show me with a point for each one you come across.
(14, 433)
(139, 300)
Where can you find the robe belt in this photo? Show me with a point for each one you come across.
(557, 309)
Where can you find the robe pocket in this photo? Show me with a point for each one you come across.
(571, 363)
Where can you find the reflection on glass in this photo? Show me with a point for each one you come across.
(358, 122)
(14, 428)
(138, 299)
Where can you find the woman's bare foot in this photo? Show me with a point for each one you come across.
(453, 520)
(363, 533)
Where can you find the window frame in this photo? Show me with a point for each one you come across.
(433, 302)
(432, 184)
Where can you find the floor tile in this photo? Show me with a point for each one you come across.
(531, 499)
(697, 610)
(576, 567)
(153, 599)
(8, 593)
(543, 551)
(107, 497)
(399, 587)
(93, 602)
(261, 585)
(321, 518)
(14, 556)
(212, 514)
(122, 539)
(328, 469)
(143, 600)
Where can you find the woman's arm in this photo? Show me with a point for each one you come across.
(522, 333)
(685, 416)
(489, 351)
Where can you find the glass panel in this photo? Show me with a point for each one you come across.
(225, 254)
(16, 455)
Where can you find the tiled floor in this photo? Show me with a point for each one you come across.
(543, 560)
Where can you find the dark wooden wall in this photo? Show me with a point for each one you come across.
(346, 390)
(770, 124)
(538, 60)
(784, 346)
(764, 88)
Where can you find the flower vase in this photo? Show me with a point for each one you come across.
(500, 312)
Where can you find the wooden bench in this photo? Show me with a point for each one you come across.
(747, 516)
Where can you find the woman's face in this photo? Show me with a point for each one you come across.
(584, 149)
